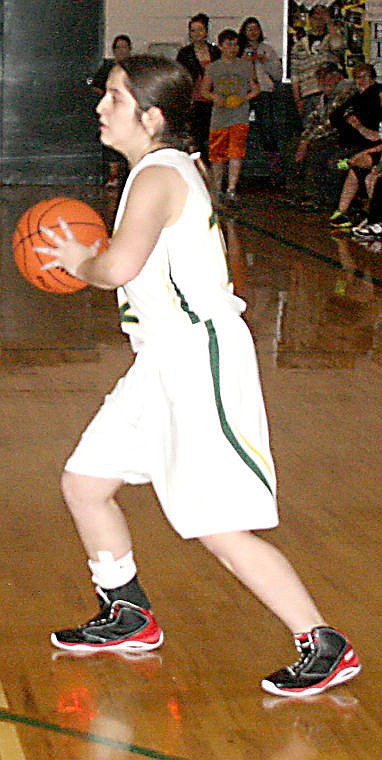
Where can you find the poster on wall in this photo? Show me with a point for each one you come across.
(345, 20)
(374, 10)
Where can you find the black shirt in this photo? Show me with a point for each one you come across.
(368, 109)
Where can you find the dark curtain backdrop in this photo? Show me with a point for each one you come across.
(48, 126)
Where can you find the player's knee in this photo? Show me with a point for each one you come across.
(216, 545)
(71, 489)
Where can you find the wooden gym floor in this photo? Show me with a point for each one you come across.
(315, 308)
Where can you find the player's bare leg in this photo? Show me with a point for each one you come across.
(125, 622)
(269, 575)
(98, 518)
(326, 656)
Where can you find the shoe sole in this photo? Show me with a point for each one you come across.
(120, 646)
(367, 237)
(344, 675)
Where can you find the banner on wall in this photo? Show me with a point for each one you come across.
(309, 4)
(373, 10)
(349, 18)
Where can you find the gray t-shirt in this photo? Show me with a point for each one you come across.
(230, 79)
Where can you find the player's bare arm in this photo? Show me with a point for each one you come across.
(156, 200)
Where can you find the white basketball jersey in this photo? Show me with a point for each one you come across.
(186, 276)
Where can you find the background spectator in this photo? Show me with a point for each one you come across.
(267, 72)
(323, 42)
(313, 175)
(121, 48)
(371, 227)
(229, 84)
(114, 165)
(358, 121)
(195, 57)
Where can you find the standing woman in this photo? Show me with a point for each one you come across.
(195, 57)
(189, 414)
(267, 71)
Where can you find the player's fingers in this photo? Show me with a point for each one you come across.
(50, 234)
(50, 265)
(65, 228)
(95, 247)
(49, 251)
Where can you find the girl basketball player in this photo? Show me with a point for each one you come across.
(189, 415)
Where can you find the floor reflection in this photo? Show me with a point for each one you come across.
(327, 315)
(310, 728)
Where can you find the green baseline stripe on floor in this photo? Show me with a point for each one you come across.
(85, 736)
(301, 248)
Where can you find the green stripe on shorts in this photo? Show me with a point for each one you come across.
(227, 430)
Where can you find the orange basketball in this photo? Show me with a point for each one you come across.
(86, 224)
(234, 101)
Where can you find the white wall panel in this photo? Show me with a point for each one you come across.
(165, 21)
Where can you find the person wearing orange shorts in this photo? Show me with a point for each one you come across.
(229, 84)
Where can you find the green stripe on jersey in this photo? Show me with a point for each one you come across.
(193, 317)
(124, 314)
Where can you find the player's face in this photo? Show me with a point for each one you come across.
(120, 125)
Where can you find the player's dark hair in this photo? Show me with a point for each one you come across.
(161, 82)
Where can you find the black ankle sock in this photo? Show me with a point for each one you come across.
(129, 592)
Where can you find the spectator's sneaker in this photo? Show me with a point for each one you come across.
(359, 226)
(368, 231)
(326, 659)
(120, 626)
(340, 221)
(309, 205)
(343, 164)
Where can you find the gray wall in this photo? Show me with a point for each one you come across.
(48, 127)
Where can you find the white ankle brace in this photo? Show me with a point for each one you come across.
(111, 573)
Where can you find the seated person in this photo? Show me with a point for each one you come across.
(356, 184)
(371, 227)
(320, 147)
(358, 124)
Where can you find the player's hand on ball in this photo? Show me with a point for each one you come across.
(67, 251)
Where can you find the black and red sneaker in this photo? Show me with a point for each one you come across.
(120, 626)
(326, 659)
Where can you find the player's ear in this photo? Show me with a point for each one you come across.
(153, 121)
